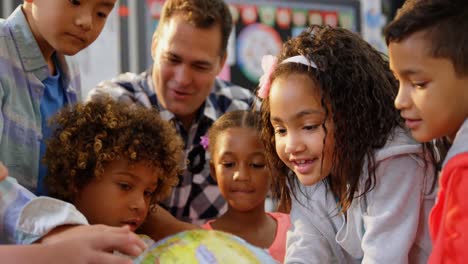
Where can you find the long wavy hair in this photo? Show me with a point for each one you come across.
(357, 90)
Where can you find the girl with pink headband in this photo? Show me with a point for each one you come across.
(361, 187)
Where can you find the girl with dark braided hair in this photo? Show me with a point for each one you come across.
(361, 187)
(238, 164)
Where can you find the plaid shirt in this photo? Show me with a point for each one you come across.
(22, 70)
(196, 198)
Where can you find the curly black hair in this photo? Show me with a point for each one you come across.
(89, 135)
(357, 92)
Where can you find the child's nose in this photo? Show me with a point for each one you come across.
(293, 144)
(402, 99)
(138, 202)
(241, 174)
(85, 21)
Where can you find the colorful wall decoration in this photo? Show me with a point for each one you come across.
(261, 27)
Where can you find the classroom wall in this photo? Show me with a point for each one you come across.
(125, 42)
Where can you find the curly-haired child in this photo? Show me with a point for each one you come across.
(428, 51)
(95, 243)
(362, 188)
(112, 160)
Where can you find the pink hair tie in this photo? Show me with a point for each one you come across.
(205, 142)
(269, 63)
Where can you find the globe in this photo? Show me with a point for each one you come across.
(201, 246)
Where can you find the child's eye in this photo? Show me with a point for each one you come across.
(124, 186)
(149, 193)
(228, 164)
(420, 85)
(75, 2)
(258, 165)
(312, 127)
(102, 15)
(280, 131)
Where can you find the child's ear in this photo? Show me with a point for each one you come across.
(212, 171)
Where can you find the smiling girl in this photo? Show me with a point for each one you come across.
(362, 187)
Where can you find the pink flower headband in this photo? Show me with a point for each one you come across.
(269, 63)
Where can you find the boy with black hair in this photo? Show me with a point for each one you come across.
(37, 78)
(428, 50)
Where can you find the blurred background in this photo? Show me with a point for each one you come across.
(260, 28)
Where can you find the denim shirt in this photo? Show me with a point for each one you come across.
(23, 217)
(22, 70)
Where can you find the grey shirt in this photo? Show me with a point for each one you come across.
(388, 225)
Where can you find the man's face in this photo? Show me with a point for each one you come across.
(186, 62)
